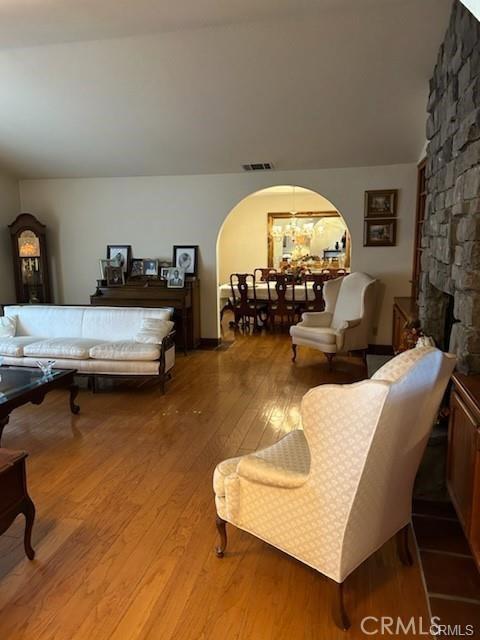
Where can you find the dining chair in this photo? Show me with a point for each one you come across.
(332, 493)
(278, 304)
(244, 302)
(316, 280)
(263, 273)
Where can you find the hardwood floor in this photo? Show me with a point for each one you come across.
(125, 527)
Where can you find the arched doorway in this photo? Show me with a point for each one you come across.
(280, 227)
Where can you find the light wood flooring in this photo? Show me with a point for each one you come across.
(125, 530)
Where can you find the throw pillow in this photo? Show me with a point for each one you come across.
(154, 330)
(8, 326)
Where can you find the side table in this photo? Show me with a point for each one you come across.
(14, 498)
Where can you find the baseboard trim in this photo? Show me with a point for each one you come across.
(209, 343)
(380, 349)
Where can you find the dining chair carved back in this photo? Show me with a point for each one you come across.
(244, 301)
(262, 274)
(317, 303)
(281, 299)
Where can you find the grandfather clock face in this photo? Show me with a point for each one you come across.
(28, 245)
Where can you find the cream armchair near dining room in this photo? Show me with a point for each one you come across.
(345, 324)
(333, 493)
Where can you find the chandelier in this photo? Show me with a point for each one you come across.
(293, 229)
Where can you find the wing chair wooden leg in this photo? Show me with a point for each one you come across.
(294, 352)
(340, 615)
(222, 532)
(403, 548)
(330, 358)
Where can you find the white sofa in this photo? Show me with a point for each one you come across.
(107, 341)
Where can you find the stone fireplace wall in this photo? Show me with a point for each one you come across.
(451, 231)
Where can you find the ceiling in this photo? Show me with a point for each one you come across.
(150, 87)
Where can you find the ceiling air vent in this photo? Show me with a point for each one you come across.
(258, 166)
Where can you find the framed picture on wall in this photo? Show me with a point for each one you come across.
(186, 257)
(381, 203)
(122, 253)
(381, 232)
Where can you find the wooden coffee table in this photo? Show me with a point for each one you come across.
(21, 385)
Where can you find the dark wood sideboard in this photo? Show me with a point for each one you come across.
(185, 302)
(463, 463)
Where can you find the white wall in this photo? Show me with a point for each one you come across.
(242, 245)
(154, 213)
(9, 209)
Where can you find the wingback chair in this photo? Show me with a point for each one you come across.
(334, 492)
(346, 321)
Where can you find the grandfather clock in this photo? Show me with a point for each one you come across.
(30, 261)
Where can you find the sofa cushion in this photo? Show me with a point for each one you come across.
(75, 348)
(14, 346)
(118, 323)
(154, 330)
(125, 350)
(8, 325)
(47, 321)
(325, 335)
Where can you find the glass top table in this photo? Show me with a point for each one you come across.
(21, 385)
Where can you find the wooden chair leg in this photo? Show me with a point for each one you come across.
(339, 612)
(403, 548)
(294, 352)
(222, 532)
(330, 357)
(29, 513)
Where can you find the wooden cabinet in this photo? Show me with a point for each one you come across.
(185, 303)
(463, 465)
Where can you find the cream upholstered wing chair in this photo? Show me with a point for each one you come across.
(346, 321)
(333, 493)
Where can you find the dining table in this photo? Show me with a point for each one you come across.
(302, 292)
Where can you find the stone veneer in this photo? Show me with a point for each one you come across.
(451, 231)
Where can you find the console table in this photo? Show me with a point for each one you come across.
(185, 303)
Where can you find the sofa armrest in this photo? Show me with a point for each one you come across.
(167, 353)
(317, 319)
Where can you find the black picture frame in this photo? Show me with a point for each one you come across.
(136, 268)
(148, 265)
(191, 251)
(125, 253)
